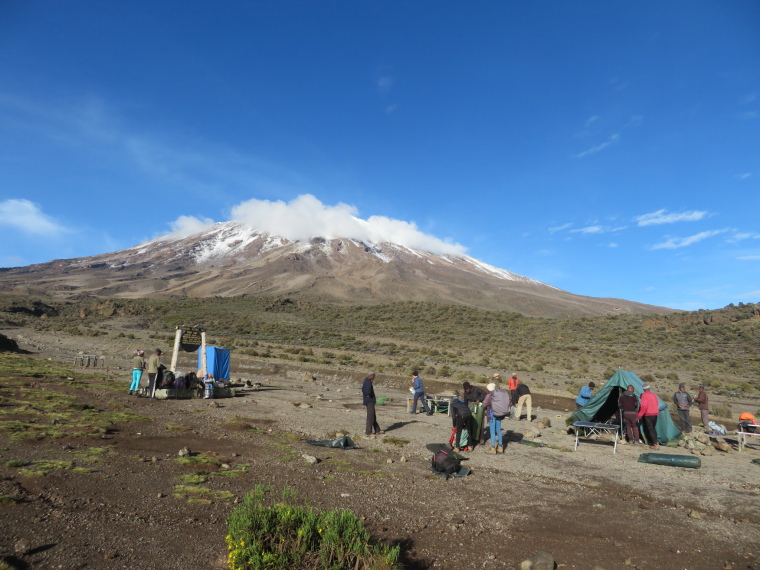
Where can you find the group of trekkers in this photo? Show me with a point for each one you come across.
(647, 409)
(154, 369)
(476, 413)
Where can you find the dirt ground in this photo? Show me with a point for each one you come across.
(589, 508)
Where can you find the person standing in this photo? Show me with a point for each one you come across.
(649, 410)
(524, 397)
(496, 408)
(584, 395)
(682, 400)
(369, 400)
(419, 394)
(702, 402)
(512, 384)
(629, 403)
(476, 395)
(138, 365)
(154, 367)
(462, 418)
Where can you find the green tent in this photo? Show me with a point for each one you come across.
(604, 404)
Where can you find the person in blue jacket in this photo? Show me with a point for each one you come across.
(419, 394)
(585, 395)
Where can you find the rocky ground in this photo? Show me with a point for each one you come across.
(118, 505)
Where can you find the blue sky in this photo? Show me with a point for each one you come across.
(610, 149)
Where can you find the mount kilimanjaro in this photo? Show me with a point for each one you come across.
(231, 259)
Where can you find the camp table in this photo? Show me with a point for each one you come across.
(743, 436)
(593, 428)
(434, 400)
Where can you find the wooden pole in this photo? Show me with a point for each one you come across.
(175, 352)
(203, 354)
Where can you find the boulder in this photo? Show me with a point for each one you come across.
(539, 561)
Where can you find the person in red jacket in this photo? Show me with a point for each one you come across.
(649, 410)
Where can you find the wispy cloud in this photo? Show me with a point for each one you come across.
(664, 217)
(591, 120)
(749, 257)
(740, 236)
(27, 217)
(635, 121)
(556, 229)
(743, 176)
(598, 229)
(676, 242)
(593, 150)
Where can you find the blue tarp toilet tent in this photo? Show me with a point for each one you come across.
(217, 362)
(604, 404)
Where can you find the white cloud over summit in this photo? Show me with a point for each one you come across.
(306, 217)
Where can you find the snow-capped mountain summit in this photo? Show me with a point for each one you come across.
(230, 259)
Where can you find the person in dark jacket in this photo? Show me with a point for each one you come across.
(476, 395)
(462, 418)
(704, 406)
(629, 403)
(683, 402)
(524, 397)
(369, 400)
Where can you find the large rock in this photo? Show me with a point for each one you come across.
(539, 561)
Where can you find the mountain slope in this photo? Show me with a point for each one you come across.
(231, 259)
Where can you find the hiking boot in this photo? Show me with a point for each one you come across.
(430, 413)
(499, 449)
(380, 432)
(491, 450)
(455, 450)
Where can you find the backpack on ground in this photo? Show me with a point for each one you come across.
(179, 383)
(443, 462)
(500, 403)
(167, 379)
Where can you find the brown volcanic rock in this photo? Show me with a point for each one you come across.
(231, 259)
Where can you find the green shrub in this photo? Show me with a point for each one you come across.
(285, 535)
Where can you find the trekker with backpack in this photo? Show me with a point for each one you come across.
(496, 405)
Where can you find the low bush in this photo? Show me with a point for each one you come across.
(285, 535)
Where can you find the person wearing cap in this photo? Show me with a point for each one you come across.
(496, 408)
(154, 372)
(138, 365)
(649, 410)
(584, 395)
(419, 394)
(704, 408)
(683, 402)
(369, 400)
